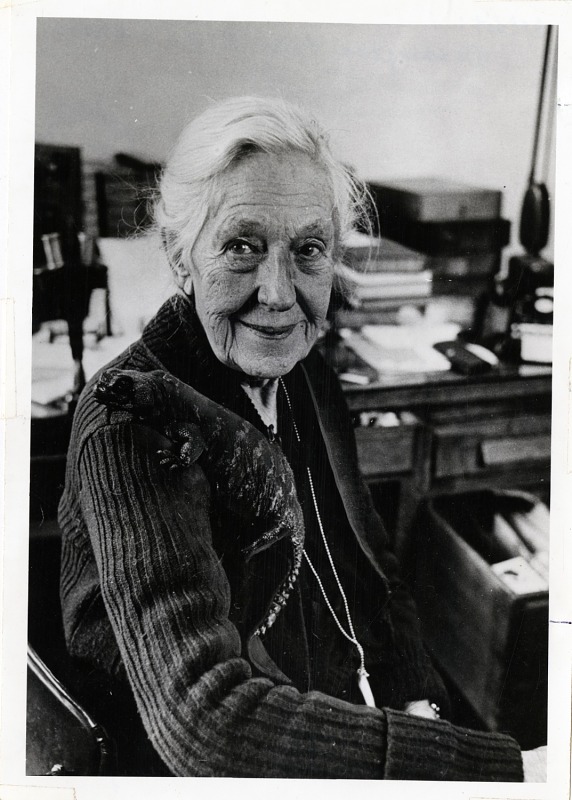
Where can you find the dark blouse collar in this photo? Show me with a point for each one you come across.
(176, 337)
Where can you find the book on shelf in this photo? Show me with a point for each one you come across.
(375, 254)
(393, 295)
(390, 286)
(373, 313)
(355, 277)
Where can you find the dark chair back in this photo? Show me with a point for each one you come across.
(69, 705)
(61, 738)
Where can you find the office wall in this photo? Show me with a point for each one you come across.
(453, 101)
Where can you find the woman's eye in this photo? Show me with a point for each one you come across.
(240, 248)
(311, 250)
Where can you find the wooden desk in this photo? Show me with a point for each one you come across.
(456, 433)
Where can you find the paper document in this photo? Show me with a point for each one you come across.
(401, 348)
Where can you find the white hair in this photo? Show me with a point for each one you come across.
(217, 139)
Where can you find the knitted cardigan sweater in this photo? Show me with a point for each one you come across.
(154, 593)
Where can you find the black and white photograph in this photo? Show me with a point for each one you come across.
(291, 456)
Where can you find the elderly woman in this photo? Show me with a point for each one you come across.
(269, 639)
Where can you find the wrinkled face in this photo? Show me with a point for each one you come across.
(263, 263)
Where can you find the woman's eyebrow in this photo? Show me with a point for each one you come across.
(317, 228)
(243, 225)
(248, 226)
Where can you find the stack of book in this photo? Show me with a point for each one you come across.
(379, 275)
(459, 228)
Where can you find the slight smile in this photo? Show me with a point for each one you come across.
(271, 331)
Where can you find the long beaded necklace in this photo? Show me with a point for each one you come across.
(362, 673)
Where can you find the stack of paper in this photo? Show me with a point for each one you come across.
(401, 348)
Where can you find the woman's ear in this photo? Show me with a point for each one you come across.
(182, 276)
(187, 286)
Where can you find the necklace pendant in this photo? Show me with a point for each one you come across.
(365, 688)
(273, 437)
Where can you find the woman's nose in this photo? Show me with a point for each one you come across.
(275, 288)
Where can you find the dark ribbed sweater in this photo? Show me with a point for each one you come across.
(153, 593)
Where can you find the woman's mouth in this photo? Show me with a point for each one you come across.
(270, 331)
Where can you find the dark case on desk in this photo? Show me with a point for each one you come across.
(490, 642)
(450, 238)
(479, 265)
(436, 200)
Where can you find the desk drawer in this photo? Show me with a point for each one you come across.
(387, 451)
(490, 444)
(491, 641)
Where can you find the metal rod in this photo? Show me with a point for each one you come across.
(540, 104)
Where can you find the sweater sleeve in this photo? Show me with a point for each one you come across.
(167, 598)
